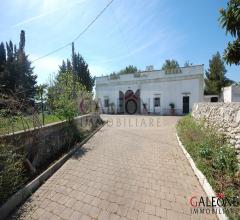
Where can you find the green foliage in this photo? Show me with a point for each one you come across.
(213, 156)
(12, 172)
(64, 95)
(82, 72)
(170, 64)
(215, 76)
(16, 73)
(128, 69)
(225, 160)
(230, 20)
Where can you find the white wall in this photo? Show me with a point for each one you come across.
(231, 94)
(235, 93)
(169, 87)
(227, 94)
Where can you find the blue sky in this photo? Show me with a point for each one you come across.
(137, 32)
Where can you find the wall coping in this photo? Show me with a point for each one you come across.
(53, 124)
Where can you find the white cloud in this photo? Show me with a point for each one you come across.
(45, 67)
(96, 70)
(48, 7)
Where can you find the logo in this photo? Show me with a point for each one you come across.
(218, 204)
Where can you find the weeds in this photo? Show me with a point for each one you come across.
(213, 156)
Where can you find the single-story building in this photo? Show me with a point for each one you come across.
(151, 92)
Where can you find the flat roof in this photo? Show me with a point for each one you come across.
(149, 71)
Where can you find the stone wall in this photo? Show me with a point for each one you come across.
(224, 116)
(44, 144)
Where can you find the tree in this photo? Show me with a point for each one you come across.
(215, 76)
(170, 64)
(16, 73)
(41, 93)
(2, 65)
(81, 70)
(230, 20)
(61, 99)
(2, 56)
(128, 69)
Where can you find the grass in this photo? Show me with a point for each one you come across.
(214, 157)
(13, 124)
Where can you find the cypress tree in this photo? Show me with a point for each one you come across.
(16, 73)
(215, 76)
(81, 70)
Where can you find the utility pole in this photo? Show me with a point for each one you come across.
(74, 71)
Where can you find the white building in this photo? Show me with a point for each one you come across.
(231, 93)
(152, 91)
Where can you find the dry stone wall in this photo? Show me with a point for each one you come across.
(224, 116)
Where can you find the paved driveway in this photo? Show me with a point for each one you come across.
(132, 168)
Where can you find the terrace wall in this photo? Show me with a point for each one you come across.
(43, 144)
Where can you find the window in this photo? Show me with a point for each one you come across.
(157, 102)
(106, 102)
(214, 99)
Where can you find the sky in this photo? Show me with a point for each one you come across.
(130, 32)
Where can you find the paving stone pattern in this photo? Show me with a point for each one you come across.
(128, 171)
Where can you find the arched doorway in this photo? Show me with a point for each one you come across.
(132, 102)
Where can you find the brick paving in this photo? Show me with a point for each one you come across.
(132, 169)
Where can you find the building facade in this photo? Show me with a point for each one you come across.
(151, 92)
(231, 93)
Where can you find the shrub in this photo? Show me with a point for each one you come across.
(213, 156)
(66, 96)
(12, 172)
(225, 160)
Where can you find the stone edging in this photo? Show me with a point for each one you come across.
(201, 178)
(20, 196)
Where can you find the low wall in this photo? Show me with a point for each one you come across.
(224, 116)
(43, 144)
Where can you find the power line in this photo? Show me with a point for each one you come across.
(79, 35)
(121, 33)
(91, 23)
(52, 52)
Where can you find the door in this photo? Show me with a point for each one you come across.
(121, 103)
(185, 104)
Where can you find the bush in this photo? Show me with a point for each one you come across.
(12, 172)
(213, 156)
